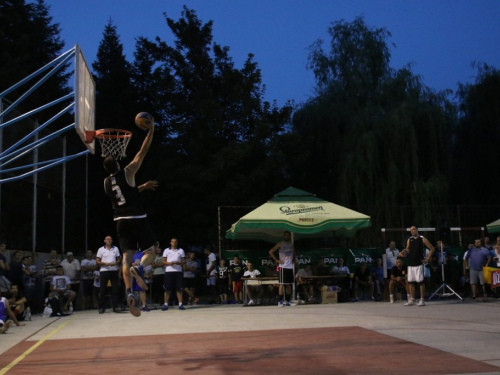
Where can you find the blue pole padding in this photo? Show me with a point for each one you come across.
(39, 142)
(36, 110)
(38, 170)
(36, 85)
(38, 129)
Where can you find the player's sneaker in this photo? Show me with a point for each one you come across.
(145, 308)
(280, 304)
(131, 302)
(138, 274)
(287, 303)
(164, 308)
(251, 302)
(410, 302)
(392, 298)
(181, 307)
(421, 302)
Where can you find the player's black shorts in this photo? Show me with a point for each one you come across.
(286, 276)
(134, 232)
(173, 281)
(222, 286)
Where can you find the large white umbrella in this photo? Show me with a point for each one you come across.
(301, 213)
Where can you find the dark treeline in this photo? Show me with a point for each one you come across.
(372, 138)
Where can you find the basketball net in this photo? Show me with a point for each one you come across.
(113, 142)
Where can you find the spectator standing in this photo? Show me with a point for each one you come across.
(173, 259)
(286, 254)
(378, 278)
(88, 266)
(29, 280)
(478, 258)
(236, 272)
(211, 264)
(15, 274)
(190, 271)
(158, 276)
(391, 254)
(415, 251)
(49, 269)
(108, 259)
(363, 277)
(223, 281)
(4, 268)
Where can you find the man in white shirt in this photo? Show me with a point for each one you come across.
(211, 264)
(173, 259)
(252, 273)
(108, 259)
(391, 255)
(72, 269)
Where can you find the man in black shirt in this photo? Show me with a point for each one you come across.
(415, 252)
(134, 231)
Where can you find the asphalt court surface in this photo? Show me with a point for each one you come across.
(444, 337)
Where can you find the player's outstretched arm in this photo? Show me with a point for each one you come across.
(135, 164)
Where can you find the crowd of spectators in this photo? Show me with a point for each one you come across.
(176, 276)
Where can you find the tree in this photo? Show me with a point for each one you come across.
(375, 137)
(217, 129)
(477, 139)
(30, 40)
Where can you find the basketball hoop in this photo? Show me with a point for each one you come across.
(113, 142)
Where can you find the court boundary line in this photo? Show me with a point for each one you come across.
(36, 345)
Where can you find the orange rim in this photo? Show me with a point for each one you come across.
(107, 134)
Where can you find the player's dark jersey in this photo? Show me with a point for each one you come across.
(416, 251)
(125, 199)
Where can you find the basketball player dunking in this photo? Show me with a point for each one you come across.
(286, 267)
(132, 224)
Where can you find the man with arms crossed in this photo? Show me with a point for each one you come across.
(132, 224)
(478, 258)
(286, 252)
(415, 252)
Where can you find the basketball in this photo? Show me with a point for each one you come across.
(143, 119)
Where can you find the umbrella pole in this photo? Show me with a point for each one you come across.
(293, 263)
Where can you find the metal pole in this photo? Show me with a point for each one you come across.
(1, 149)
(63, 224)
(86, 202)
(219, 233)
(35, 196)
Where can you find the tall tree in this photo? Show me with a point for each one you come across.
(375, 137)
(29, 39)
(218, 128)
(477, 139)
